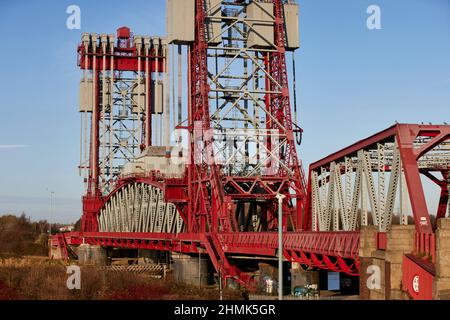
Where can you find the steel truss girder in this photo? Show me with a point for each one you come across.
(403, 149)
(186, 243)
(337, 251)
(259, 188)
(314, 249)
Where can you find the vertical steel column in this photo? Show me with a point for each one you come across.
(403, 198)
(111, 107)
(104, 43)
(138, 45)
(148, 81)
(166, 106)
(157, 127)
(444, 195)
(85, 163)
(280, 198)
(93, 179)
(281, 106)
(415, 189)
(179, 86)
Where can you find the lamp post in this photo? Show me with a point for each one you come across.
(280, 198)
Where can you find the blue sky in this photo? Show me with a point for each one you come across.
(352, 82)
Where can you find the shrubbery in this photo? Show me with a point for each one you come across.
(19, 236)
(46, 280)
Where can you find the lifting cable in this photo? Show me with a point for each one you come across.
(298, 131)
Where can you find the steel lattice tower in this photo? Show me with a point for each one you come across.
(242, 150)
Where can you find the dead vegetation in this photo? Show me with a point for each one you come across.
(32, 278)
(19, 236)
(27, 273)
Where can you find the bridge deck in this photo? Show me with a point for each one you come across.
(335, 251)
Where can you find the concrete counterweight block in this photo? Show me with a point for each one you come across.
(91, 255)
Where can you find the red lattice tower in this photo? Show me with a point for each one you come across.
(218, 196)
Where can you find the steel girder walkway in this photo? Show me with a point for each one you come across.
(335, 251)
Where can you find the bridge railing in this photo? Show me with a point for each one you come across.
(342, 244)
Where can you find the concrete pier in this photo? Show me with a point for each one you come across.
(91, 255)
(390, 262)
(190, 269)
(303, 278)
(441, 286)
(399, 241)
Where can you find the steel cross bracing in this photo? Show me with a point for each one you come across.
(362, 184)
(121, 129)
(231, 187)
(243, 148)
(118, 121)
(116, 109)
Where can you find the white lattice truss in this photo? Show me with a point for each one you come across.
(340, 190)
(340, 193)
(139, 207)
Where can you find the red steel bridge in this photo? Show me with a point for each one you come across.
(214, 191)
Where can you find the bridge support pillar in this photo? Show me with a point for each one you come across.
(91, 255)
(190, 269)
(441, 288)
(301, 279)
(381, 261)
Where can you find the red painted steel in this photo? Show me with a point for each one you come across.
(338, 251)
(417, 279)
(381, 240)
(280, 106)
(409, 153)
(125, 58)
(425, 245)
(186, 243)
(203, 175)
(62, 244)
(121, 63)
(202, 199)
(353, 149)
(211, 208)
(406, 135)
(443, 199)
(343, 244)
